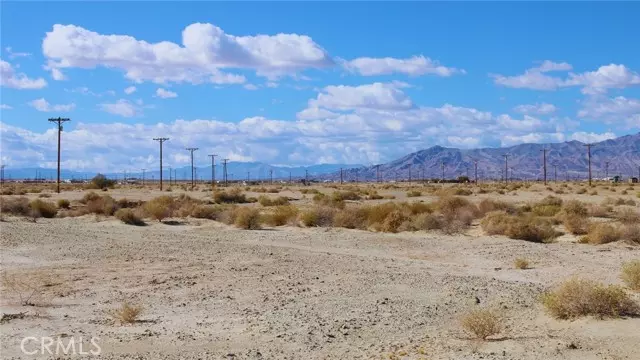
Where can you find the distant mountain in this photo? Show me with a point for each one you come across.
(567, 160)
(235, 170)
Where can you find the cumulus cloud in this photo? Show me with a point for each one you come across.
(43, 105)
(130, 90)
(617, 110)
(413, 66)
(540, 109)
(205, 50)
(11, 79)
(123, 108)
(381, 96)
(587, 137)
(165, 94)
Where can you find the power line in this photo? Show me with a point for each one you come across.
(213, 169)
(224, 171)
(544, 164)
(589, 159)
(192, 170)
(59, 121)
(161, 140)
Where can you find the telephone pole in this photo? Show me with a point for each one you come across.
(589, 159)
(192, 171)
(171, 171)
(544, 164)
(442, 167)
(340, 176)
(475, 167)
(271, 176)
(555, 172)
(378, 173)
(59, 121)
(2, 173)
(213, 169)
(143, 173)
(224, 170)
(306, 177)
(161, 140)
(506, 168)
(606, 169)
(409, 174)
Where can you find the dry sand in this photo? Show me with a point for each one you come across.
(211, 291)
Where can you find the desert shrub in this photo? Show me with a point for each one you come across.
(618, 202)
(233, 196)
(332, 201)
(32, 288)
(489, 205)
(102, 205)
(449, 206)
(575, 207)
(211, 212)
(351, 218)
(90, 196)
(129, 217)
(575, 224)
(15, 206)
(393, 221)
(281, 215)
(413, 193)
(628, 216)
(247, 218)
(426, 221)
(101, 182)
(345, 195)
(44, 195)
(631, 233)
(601, 233)
(126, 203)
(596, 210)
(579, 297)
(43, 208)
(521, 263)
(581, 191)
(453, 191)
(481, 323)
(545, 210)
(631, 274)
(64, 204)
(267, 201)
(159, 208)
(317, 216)
(127, 313)
(183, 205)
(523, 227)
(420, 208)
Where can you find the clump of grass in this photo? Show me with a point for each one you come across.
(631, 274)
(281, 215)
(628, 216)
(15, 206)
(317, 216)
(43, 208)
(211, 212)
(489, 205)
(129, 217)
(267, 201)
(631, 233)
(345, 195)
(522, 227)
(332, 201)
(601, 233)
(521, 263)
(247, 218)
(159, 208)
(576, 224)
(481, 323)
(413, 193)
(233, 196)
(549, 206)
(127, 313)
(64, 204)
(580, 297)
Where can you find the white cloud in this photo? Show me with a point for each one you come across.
(43, 105)
(9, 78)
(165, 94)
(250, 87)
(540, 109)
(130, 90)
(205, 50)
(57, 75)
(381, 96)
(123, 108)
(313, 113)
(414, 66)
(619, 110)
(586, 137)
(5, 107)
(15, 54)
(548, 65)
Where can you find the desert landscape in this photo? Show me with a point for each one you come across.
(328, 271)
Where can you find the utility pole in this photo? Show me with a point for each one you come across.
(59, 121)
(409, 174)
(506, 168)
(161, 140)
(306, 177)
(340, 176)
(271, 176)
(170, 173)
(555, 172)
(357, 175)
(213, 169)
(606, 169)
(248, 177)
(192, 171)
(143, 173)
(475, 167)
(224, 171)
(544, 164)
(378, 173)
(589, 159)
(442, 167)
(2, 174)
(290, 182)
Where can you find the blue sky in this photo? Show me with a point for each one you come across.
(307, 83)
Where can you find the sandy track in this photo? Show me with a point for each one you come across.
(211, 291)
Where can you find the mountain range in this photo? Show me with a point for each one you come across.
(567, 160)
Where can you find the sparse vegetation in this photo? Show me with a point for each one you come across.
(127, 313)
(521, 227)
(631, 274)
(64, 204)
(233, 196)
(521, 263)
(40, 208)
(601, 233)
(129, 217)
(101, 182)
(247, 218)
(482, 323)
(267, 201)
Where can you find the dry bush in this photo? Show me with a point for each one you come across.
(159, 208)
(183, 205)
(413, 193)
(631, 233)
(44, 195)
(575, 207)
(233, 196)
(33, 288)
(453, 191)
(64, 204)
(281, 215)
(628, 216)
(351, 218)
(15, 206)
(102, 205)
(247, 218)
(549, 206)
(596, 210)
(427, 221)
(43, 208)
(211, 212)
(393, 221)
(581, 191)
(129, 217)
(127, 313)
(488, 205)
(631, 274)
(521, 263)
(324, 200)
(576, 224)
(579, 297)
(523, 227)
(450, 206)
(345, 195)
(618, 202)
(481, 323)
(601, 233)
(90, 196)
(317, 216)
(267, 201)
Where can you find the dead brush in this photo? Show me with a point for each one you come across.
(521, 227)
(631, 274)
(317, 216)
(33, 288)
(45, 209)
(601, 233)
(521, 263)
(628, 216)
(482, 323)
(129, 217)
(631, 233)
(127, 313)
(15, 206)
(233, 196)
(579, 297)
(247, 218)
(281, 215)
(267, 201)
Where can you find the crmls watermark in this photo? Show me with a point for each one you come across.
(32, 345)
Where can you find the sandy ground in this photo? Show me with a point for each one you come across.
(213, 291)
